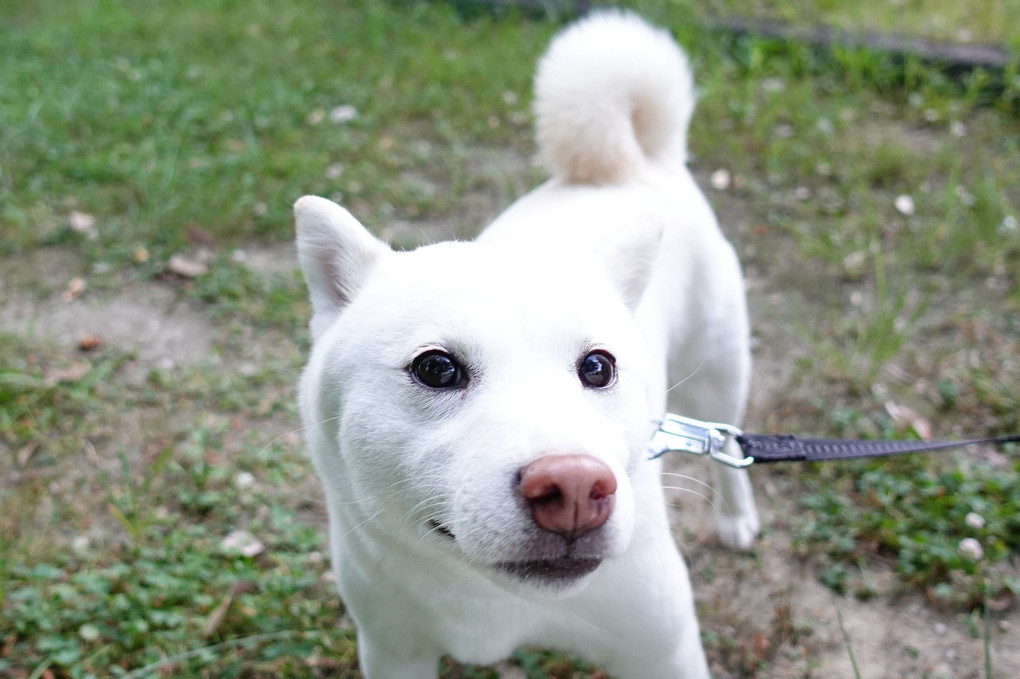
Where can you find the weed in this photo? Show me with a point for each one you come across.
(860, 342)
(233, 289)
(154, 602)
(945, 528)
(849, 644)
(160, 595)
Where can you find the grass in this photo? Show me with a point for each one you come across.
(143, 108)
(918, 515)
(189, 128)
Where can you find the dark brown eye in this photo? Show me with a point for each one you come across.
(438, 370)
(597, 369)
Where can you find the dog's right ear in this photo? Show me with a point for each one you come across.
(336, 254)
(630, 254)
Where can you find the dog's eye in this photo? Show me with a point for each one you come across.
(438, 370)
(597, 369)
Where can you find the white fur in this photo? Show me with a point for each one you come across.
(623, 91)
(618, 252)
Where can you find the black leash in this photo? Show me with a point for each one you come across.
(787, 448)
(684, 434)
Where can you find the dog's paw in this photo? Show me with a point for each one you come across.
(738, 532)
(736, 517)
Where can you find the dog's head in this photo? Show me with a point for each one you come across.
(487, 402)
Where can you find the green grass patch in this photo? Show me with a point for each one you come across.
(172, 598)
(45, 395)
(947, 528)
(154, 117)
(232, 289)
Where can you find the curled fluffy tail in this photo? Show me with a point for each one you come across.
(612, 93)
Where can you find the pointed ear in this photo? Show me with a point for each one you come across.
(630, 254)
(336, 254)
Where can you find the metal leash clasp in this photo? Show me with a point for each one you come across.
(687, 435)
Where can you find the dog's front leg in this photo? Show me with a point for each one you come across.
(736, 517)
(717, 393)
(385, 659)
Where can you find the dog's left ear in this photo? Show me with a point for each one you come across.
(630, 255)
(336, 254)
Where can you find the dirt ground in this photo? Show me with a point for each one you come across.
(767, 604)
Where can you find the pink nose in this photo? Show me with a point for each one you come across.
(568, 494)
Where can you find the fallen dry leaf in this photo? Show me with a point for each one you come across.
(343, 114)
(74, 288)
(26, 453)
(905, 205)
(213, 621)
(200, 237)
(82, 223)
(316, 116)
(242, 542)
(186, 267)
(906, 416)
(89, 342)
(70, 374)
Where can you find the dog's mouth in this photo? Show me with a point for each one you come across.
(557, 570)
(563, 569)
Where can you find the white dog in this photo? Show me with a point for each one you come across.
(479, 412)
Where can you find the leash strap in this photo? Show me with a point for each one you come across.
(786, 448)
(685, 434)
